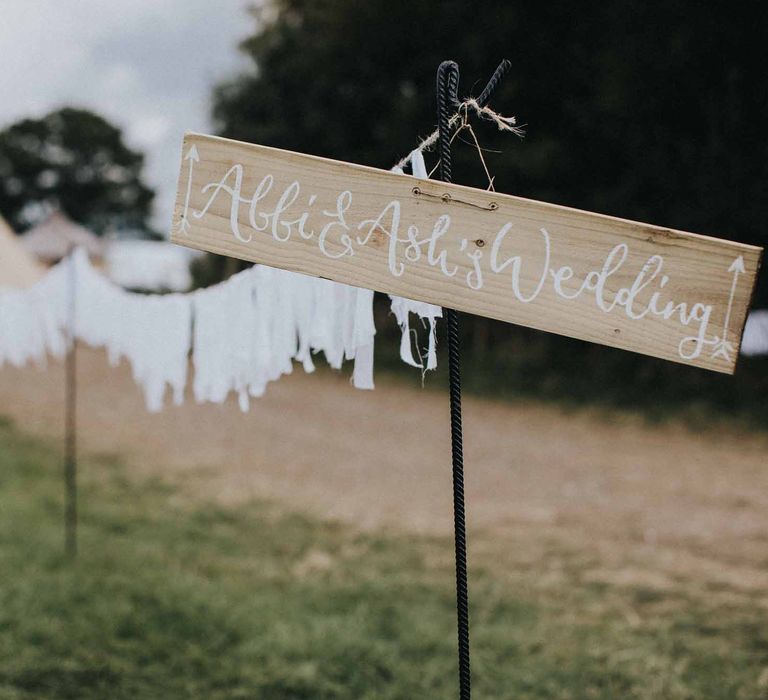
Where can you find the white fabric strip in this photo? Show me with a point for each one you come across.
(152, 332)
(222, 340)
(402, 308)
(755, 340)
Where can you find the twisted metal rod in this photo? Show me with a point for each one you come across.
(447, 102)
(447, 89)
(501, 70)
(70, 417)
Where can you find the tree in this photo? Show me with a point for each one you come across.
(76, 161)
(649, 111)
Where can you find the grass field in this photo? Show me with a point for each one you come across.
(173, 597)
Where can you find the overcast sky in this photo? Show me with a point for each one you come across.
(147, 65)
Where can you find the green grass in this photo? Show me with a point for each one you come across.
(174, 598)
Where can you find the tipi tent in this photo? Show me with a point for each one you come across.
(53, 238)
(17, 267)
(149, 265)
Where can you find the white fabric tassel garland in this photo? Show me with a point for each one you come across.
(243, 333)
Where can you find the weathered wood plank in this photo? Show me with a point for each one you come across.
(652, 290)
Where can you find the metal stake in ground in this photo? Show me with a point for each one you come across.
(447, 103)
(70, 418)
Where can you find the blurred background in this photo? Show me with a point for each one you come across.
(619, 500)
(643, 112)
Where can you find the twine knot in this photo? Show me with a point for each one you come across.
(461, 118)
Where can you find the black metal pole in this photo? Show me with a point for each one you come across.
(447, 103)
(70, 418)
(447, 87)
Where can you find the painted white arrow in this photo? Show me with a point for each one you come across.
(723, 348)
(193, 157)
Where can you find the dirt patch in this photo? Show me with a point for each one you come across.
(622, 497)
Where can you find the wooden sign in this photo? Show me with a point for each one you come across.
(652, 290)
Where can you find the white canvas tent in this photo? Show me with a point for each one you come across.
(18, 268)
(149, 265)
(53, 239)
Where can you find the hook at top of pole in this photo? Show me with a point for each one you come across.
(448, 80)
(448, 84)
